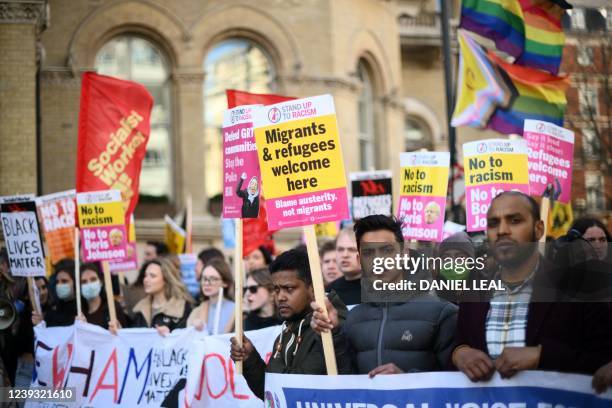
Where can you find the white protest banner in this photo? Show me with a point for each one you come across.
(530, 389)
(212, 380)
(57, 214)
(372, 193)
(22, 236)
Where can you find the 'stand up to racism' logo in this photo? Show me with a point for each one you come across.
(540, 127)
(274, 115)
(413, 160)
(482, 148)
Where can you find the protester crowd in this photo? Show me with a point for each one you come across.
(506, 331)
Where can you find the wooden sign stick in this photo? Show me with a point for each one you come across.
(108, 286)
(32, 293)
(239, 284)
(77, 271)
(319, 292)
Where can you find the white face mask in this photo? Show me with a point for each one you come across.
(91, 290)
(64, 291)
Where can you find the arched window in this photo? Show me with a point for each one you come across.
(137, 59)
(416, 133)
(365, 117)
(231, 64)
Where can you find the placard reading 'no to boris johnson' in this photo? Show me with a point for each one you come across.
(101, 220)
(422, 203)
(301, 162)
(241, 178)
(492, 166)
(551, 153)
(22, 236)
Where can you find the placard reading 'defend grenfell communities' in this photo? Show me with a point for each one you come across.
(301, 162)
(22, 236)
(551, 154)
(241, 178)
(492, 166)
(424, 180)
(101, 220)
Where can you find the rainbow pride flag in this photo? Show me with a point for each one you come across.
(544, 38)
(536, 95)
(480, 89)
(499, 20)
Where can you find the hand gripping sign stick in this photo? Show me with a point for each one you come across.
(238, 282)
(319, 292)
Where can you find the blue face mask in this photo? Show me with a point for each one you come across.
(91, 290)
(63, 291)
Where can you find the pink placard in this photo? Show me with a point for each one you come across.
(422, 217)
(104, 243)
(306, 209)
(241, 175)
(480, 198)
(551, 156)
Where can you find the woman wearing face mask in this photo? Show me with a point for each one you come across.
(95, 306)
(215, 275)
(259, 298)
(64, 310)
(167, 303)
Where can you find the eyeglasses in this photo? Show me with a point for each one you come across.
(252, 289)
(210, 281)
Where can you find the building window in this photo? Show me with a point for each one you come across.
(608, 14)
(416, 134)
(137, 59)
(590, 144)
(365, 113)
(595, 198)
(578, 20)
(231, 64)
(587, 100)
(584, 55)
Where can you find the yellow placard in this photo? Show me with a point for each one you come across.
(300, 157)
(101, 214)
(424, 181)
(326, 229)
(498, 168)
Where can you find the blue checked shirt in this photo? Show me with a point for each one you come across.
(507, 317)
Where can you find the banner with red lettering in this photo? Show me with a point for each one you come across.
(140, 368)
(113, 134)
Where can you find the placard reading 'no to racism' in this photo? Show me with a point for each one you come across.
(551, 153)
(101, 220)
(241, 178)
(22, 236)
(301, 162)
(492, 166)
(422, 203)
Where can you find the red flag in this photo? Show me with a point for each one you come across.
(255, 230)
(113, 134)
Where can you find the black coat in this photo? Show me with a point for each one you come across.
(174, 317)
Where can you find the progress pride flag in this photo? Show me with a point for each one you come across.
(113, 134)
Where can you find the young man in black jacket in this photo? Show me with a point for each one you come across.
(298, 349)
(391, 336)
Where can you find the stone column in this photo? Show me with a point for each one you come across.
(189, 139)
(21, 23)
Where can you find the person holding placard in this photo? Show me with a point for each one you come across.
(167, 303)
(298, 349)
(64, 310)
(96, 311)
(216, 312)
(391, 337)
(524, 326)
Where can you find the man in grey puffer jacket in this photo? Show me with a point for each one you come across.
(392, 337)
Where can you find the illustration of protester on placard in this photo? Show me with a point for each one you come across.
(250, 196)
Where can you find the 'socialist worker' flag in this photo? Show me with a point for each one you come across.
(113, 134)
(423, 194)
(301, 162)
(492, 166)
